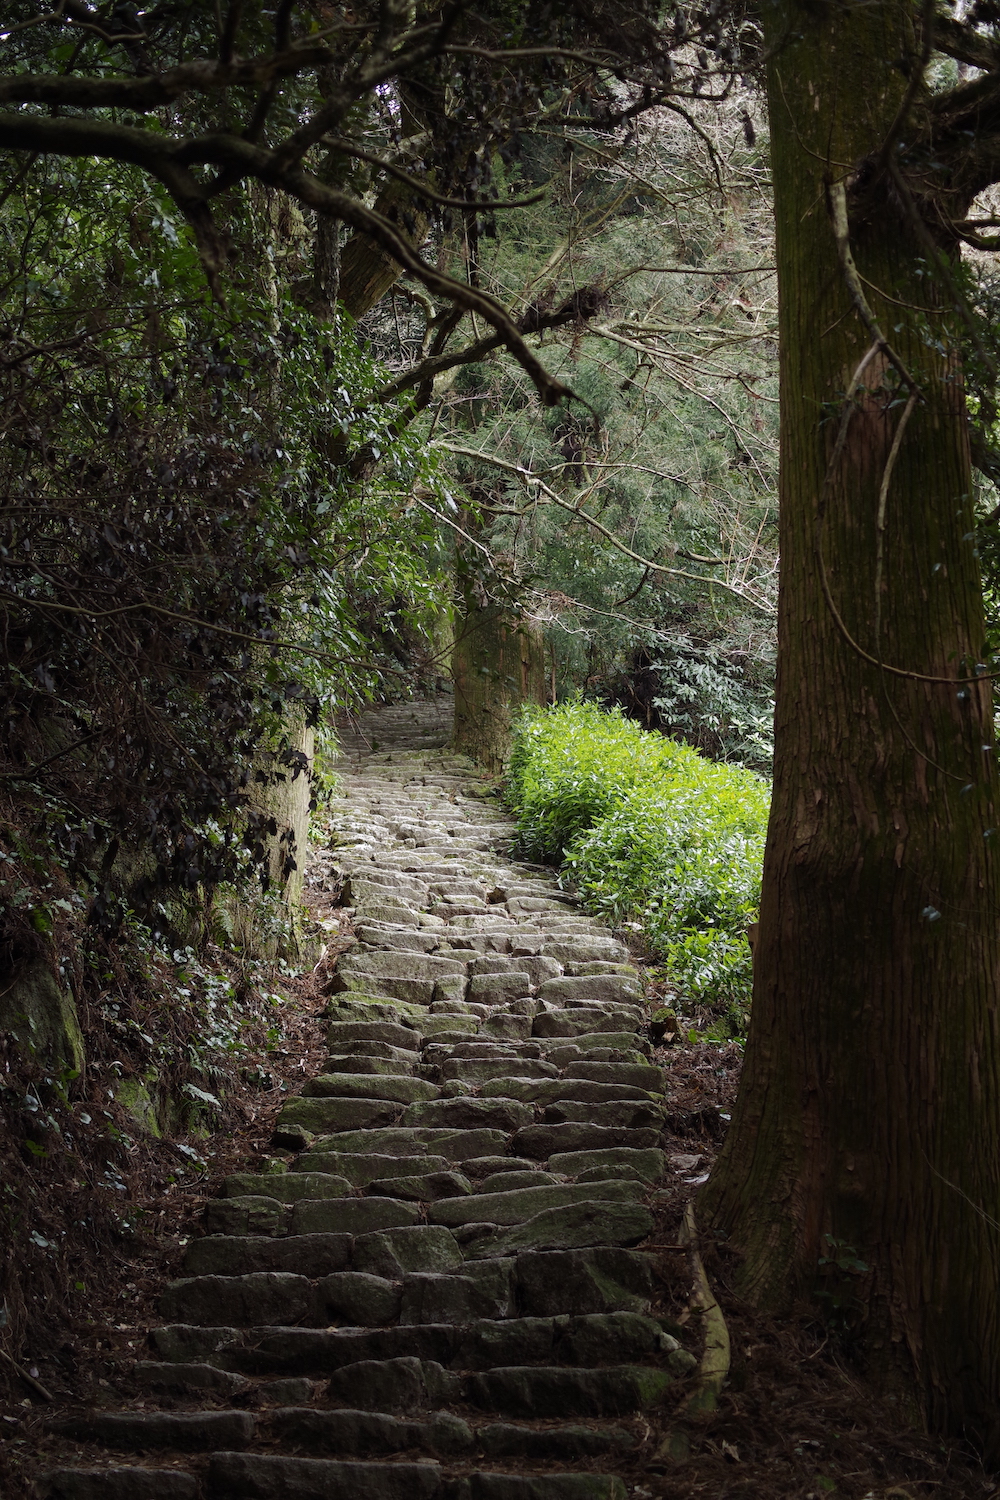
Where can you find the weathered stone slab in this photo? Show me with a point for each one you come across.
(503, 1440)
(573, 1226)
(182, 1343)
(261, 1297)
(402, 1088)
(592, 1041)
(602, 1279)
(565, 1052)
(549, 1091)
(618, 1113)
(638, 1075)
(382, 964)
(394, 913)
(285, 1187)
(454, 1145)
(602, 966)
(323, 1351)
(599, 989)
(430, 1298)
(396, 986)
(239, 1476)
(495, 989)
(519, 1204)
(608, 1338)
(362, 1169)
(382, 884)
(448, 1023)
(506, 1182)
(366, 1432)
(576, 1022)
(484, 1069)
(404, 1037)
(465, 1113)
(395, 1253)
(187, 1379)
(252, 1215)
(426, 1188)
(542, 1141)
(537, 1391)
(329, 1115)
(381, 935)
(352, 1215)
(358, 1298)
(650, 1164)
(403, 1384)
(362, 1060)
(568, 949)
(485, 1166)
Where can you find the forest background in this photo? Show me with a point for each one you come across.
(263, 461)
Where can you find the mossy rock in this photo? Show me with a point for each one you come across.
(42, 1016)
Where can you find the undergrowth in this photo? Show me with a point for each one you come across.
(181, 1045)
(654, 836)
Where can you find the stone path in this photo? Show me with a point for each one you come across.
(441, 1289)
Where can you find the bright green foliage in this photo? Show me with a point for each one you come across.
(574, 765)
(653, 834)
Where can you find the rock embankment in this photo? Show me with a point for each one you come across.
(447, 1287)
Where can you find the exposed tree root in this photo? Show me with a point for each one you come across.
(714, 1366)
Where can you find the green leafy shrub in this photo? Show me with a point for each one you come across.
(573, 765)
(651, 833)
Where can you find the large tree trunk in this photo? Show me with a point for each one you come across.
(498, 664)
(367, 272)
(868, 1123)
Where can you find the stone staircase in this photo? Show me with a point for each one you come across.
(447, 1286)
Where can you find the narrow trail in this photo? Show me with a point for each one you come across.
(449, 1280)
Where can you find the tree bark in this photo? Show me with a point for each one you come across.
(367, 271)
(498, 664)
(868, 1123)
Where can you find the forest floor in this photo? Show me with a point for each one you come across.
(797, 1419)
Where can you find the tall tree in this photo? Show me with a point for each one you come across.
(863, 1150)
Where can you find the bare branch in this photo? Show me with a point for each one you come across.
(156, 89)
(551, 498)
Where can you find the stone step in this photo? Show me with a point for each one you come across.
(567, 1023)
(482, 1069)
(368, 1433)
(572, 1226)
(417, 1255)
(517, 1205)
(615, 1112)
(456, 1145)
(240, 1476)
(425, 1188)
(534, 1391)
(543, 1141)
(450, 1348)
(550, 1091)
(402, 1088)
(284, 1186)
(362, 1168)
(430, 1266)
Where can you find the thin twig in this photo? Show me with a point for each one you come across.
(36, 1385)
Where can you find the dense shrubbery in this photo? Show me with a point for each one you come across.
(652, 833)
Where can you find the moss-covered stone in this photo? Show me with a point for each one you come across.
(42, 1016)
